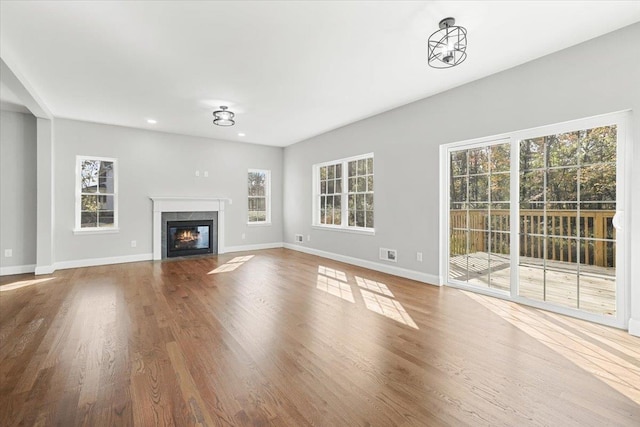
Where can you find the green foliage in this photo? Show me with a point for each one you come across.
(579, 166)
(560, 170)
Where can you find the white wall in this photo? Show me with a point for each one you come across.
(596, 77)
(17, 191)
(158, 164)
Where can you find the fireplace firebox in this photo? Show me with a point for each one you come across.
(189, 238)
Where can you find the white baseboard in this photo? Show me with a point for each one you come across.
(376, 266)
(257, 247)
(17, 269)
(389, 269)
(90, 262)
(45, 269)
(634, 327)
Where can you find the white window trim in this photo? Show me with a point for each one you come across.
(267, 194)
(315, 213)
(96, 230)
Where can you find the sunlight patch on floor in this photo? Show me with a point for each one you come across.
(23, 283)
(334, 283)
(241, 259)
(372, 285)
(224, 268)
(231, 265)
(387, 307)
(611, 366)
(377, 296)
(330, 272)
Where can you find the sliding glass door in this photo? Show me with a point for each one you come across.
(531, 217)
(568, 197)
(479, 232)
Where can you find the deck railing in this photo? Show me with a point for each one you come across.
(589, 237)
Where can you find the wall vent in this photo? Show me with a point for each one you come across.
(298, 238)
(389, 254)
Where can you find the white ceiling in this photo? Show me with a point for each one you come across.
(289, 69)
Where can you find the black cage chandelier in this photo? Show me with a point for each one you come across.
(222, 117)
(448, 45)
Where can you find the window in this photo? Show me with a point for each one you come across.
(259, 196)
(361, 193)
(331, 194)
(96, 194)
(343, 196)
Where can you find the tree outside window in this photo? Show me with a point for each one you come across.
(343, 196)
(96, 196)
(259, 209)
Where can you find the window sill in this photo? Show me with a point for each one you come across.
(259, 224)
(95, 230)
(367, 232)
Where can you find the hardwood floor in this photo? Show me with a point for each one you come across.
(282, 338)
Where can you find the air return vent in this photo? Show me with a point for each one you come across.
(388, 254)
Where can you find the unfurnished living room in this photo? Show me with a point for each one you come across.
(320, 213)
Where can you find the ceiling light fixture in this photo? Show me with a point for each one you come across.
(447, 46)
(241, 134)
(152, 121)
(222, 117)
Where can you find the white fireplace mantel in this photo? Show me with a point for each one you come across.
(186, 204)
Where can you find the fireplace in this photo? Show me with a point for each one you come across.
(194, 237)
(167, 209)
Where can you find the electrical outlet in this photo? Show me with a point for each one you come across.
(419, 256)
(308, 237)
(8, 253)
(197, 173)
(206, 174)
(134, 243)
(244, 236)
(298, 238)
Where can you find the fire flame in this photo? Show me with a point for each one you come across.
(186, 236)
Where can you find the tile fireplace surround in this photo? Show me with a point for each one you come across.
(185, 204)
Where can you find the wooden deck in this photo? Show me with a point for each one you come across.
(597, 285)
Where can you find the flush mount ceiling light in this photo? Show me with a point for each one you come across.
(222, 117)
(447, 46)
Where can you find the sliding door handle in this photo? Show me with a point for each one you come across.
(618, 220)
